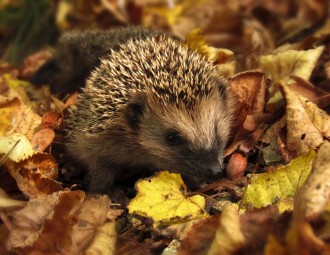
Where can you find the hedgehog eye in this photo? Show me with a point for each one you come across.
(174, 139)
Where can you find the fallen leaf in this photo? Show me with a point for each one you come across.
(229, 237)
(17, 116)
(269, 188)
(33, 62)
(45, 223)
(8, 203)
(8, 109)
(89, 228)
(271, 153)
(197, 238)
(17, 146)
(249, 91)
(42, 139)
(164, 199)
(65, 222)
(318, 96)
(314, 195)
(223, 58)
(35, 176)
(104, 241)
(306, 123)
(281, 66)
(51, 120)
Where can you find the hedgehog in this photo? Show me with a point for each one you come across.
(151, 104)
(78, 52)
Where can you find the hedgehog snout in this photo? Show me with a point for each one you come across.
(215, 171)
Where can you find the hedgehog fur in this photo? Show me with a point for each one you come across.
(78, 52)
(153, 104)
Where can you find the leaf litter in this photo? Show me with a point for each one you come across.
(275, 196)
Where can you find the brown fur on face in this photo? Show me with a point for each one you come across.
(204, 130)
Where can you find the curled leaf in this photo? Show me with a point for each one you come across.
(306, 123)
(229, 237)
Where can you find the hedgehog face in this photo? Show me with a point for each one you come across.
(182, 139)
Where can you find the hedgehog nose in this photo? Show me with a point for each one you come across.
(215, 172)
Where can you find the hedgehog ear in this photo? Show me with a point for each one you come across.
(134, 110)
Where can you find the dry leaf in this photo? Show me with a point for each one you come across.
(8, 203)
(42, 139)
(280, 67)
(16, 117)
(319, 97)
(269, 188)
(44, 225)
(163, 198)
(104, 240)
(314, 195)
(17, 146)
(249, 92)
(306, 123)
(36, 175)
(223, 58)
(91, 217)
(197, 239)
(229, 237)
(51, 120)
(65, 222)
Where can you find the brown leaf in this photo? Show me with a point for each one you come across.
(248, 90)
(314, 196)
(90, 217)
(318, 96)
(65, 222)
(33, 62)
(51, 120)
(42, 139)
(306, 123)
(198, 239)
(229, 237)
(35, 176)
(44, 224)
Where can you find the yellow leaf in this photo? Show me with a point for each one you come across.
(270, 188)
(229, 237)
(279, 67)
(17, 146)
(306, 123)
(171, 15)
(104, 241)
(163, 198)
(223, 58)
(14, 83)
(292, 62)
(63, 10)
